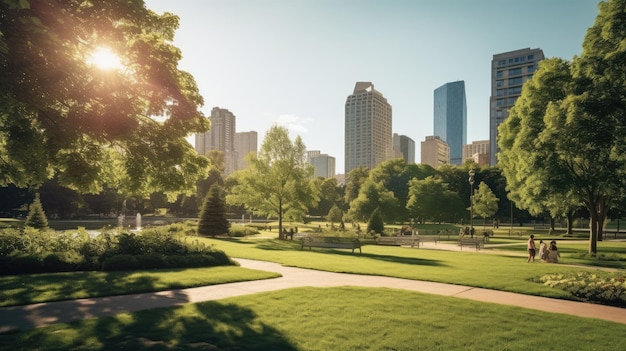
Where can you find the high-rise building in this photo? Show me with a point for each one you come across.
(435, 151)
(509, 71)
(221, 137)
(450, 118)
(367, 128)
(245, 143)
(405, 146)
(478, 151)
(324, 165)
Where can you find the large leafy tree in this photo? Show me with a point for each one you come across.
(572, 133)
(278, 181)
(485, 202)
(64, 116)
(430, 199)
(373, 196)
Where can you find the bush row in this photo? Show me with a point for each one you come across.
(33, 251)
(606, 288)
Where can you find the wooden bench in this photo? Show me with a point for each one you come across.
(427, 239)
(330, 242)
(397, 240)
(409, 240)
(477, 243)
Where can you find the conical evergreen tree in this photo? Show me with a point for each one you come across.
(376, 223)
(36, 216)
(213, 214)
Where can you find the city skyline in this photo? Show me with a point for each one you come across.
(292, 62)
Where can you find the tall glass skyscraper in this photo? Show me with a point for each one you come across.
(367, 128)
(509, 71)
(450, 118)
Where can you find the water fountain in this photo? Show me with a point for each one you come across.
(138, 221)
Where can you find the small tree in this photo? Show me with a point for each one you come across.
(212, 219)
(36, 216)
(485, 202)
(376, 223)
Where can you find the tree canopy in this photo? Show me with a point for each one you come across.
(64, 116)
(485, 201)
(565, 139)
(278, 181)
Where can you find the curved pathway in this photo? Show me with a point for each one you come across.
(39, 315)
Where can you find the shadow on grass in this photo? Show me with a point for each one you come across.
(27, 289)
(202, 326)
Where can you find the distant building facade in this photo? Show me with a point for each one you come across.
(509, 71)
(223, 137)
(435, 151)
(245, 143)
(324, 165)
(368, 129)
(477, 151)
(450, 118)
(404, 146)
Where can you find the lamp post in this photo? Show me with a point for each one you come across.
(471, 181)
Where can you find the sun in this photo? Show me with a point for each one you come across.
(105, 59)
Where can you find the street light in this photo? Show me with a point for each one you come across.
(471, 181)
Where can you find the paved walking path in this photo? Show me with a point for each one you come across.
(39, 315)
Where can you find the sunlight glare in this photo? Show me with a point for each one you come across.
(105, 59)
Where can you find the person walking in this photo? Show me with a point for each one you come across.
(532, 250)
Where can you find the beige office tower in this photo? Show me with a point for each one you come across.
(435, 151)
(220, 137)
(245, 143)
(509, 71)
(367, 128)
(477, 151)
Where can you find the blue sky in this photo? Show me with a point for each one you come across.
(294, 62)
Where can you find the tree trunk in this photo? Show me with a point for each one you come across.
(570, 222)
(593, 231)
(280, 219)
(602, 212)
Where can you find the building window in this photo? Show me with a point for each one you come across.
(530, 69)
(515, 71)
(531, 57)
(499, 74)
(499, 83)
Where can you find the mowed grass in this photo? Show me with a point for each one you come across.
(504, 271)
(34, 288)
(344, 318)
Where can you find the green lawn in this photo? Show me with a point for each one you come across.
(494, 271)
(345, 318)
(27, 289)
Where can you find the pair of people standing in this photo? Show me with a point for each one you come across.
(550, 254)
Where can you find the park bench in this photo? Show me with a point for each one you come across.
(477, 243)
(413, 240)
(396, 240)
(427, 239)
(330, 242)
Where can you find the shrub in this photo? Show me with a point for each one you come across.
(120, 263)
(63, 261)
(587, 286)
(241, 230)
(36, 216)
(151, 261)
